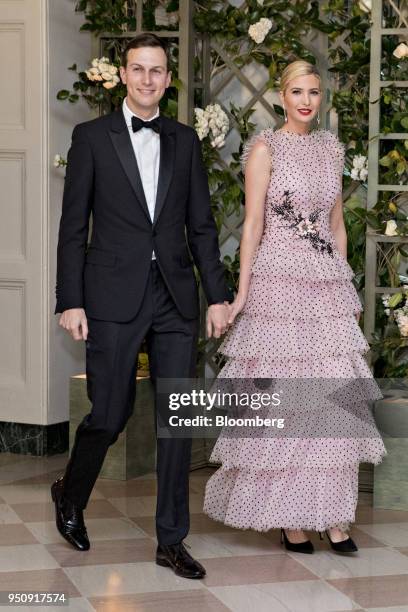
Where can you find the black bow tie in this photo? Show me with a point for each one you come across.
(154, 124)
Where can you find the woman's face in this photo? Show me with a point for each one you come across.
(302, 99)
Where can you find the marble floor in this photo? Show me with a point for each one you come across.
(245, 570)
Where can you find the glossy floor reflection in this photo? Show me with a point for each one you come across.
(245, 570)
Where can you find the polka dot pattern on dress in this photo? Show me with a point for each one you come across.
(298, 322)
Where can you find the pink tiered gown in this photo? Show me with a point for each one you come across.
(298, 322)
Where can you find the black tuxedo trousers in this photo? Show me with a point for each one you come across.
(111, 363)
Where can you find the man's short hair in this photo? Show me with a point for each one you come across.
(147, 39)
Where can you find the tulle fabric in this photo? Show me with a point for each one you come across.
(299, 321)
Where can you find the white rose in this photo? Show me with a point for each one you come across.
(107, 76)
(363, 174)
(95, 62)
(89, 75)
(391, 228)
(115, 79)
(354, 174)
(57, 160)
(94, 71)
(173, 18)
(97, 77)
(112, 69)
(401, 51)
(109, 84)
(365, 5)
(359, 161)
(258, 31)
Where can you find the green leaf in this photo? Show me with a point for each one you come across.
(404, 122)
(278, 110)
(385, 161)
(395, 299)
(62, 94)
(401, 166)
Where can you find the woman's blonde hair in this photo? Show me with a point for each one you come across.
(297, 69)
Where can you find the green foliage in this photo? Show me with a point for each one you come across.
(291, 21)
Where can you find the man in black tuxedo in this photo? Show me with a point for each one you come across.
(141, 175)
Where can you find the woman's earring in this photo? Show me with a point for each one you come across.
(318, 117)
(285, 115)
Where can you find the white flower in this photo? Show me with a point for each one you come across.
(260, 2)
(212, 121)
(359, 171)
(401, 51)
(387, 311)
(359, 161)
(365, 5)
(59, 162)
(385, 299)
(363, 174)
(402, 321)
(391, 228)
(102, 70)
(258, 31)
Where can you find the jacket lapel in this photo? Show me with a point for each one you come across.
(166, 167)
(121, 141)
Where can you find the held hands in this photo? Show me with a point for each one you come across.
(236, 307)
(217, 319)
(221, 316)
(75, 322)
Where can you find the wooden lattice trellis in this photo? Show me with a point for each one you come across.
(216, 85)
(385, 13)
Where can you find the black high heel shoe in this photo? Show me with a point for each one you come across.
(345, 546)
(301, 547)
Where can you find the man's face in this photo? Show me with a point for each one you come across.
(145, 77)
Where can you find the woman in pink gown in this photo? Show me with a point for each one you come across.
(297, 317)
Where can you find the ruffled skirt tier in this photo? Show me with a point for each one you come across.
(298, 322)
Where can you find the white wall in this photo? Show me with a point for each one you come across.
(66, 46)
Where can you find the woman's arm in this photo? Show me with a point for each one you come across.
(257, 175)
(337, 226)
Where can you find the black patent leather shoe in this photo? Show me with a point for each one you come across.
(180, 561)
(300, 547)
(69, 518)
(345, 546)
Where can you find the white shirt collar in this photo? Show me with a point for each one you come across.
(128, 114)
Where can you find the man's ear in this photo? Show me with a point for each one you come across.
(122, 72)
(169, 76)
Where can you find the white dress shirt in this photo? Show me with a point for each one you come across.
(146, 146)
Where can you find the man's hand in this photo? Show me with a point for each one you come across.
(74, 321)
(217, 319)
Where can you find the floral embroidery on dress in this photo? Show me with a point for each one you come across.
(304, 226)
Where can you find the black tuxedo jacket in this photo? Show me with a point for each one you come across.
(108, 277)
